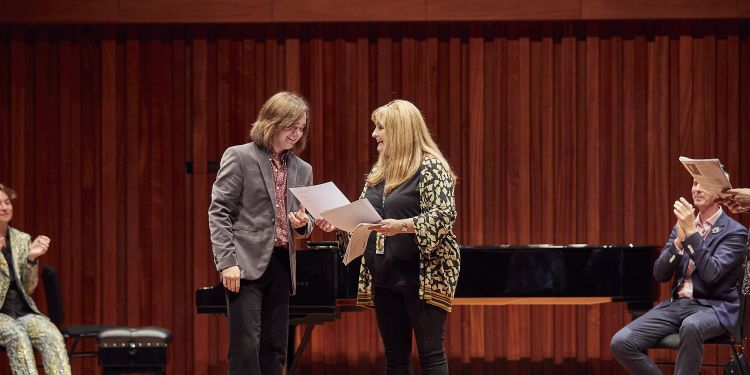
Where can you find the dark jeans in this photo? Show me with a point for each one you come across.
(258, 318)
(399, 313)
(695, 323)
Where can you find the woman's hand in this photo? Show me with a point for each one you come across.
(298, 219)
(324, 225)
(738, 201)
(38, 248)
(390, 227)
(230, 277)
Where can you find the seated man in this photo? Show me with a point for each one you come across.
(705, 254)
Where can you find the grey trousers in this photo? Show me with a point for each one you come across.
(695, 323)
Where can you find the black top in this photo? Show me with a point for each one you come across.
(14, 304)
(398, 266)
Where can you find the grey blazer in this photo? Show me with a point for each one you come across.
(242, 214)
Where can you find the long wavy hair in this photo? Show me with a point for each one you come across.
(407, 142)
(281, 111)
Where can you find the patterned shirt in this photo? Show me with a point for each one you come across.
(280, 172)
(685, 290)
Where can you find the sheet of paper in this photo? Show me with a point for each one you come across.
(357, 243)
(708, 173)
(319, 198)
(349, 216)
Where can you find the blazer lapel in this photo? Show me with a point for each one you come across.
(715, 231)
(266, 173)
(4, 265)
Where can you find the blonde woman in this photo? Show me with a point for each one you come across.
(253, 223)
(410, 267)
(22, 327)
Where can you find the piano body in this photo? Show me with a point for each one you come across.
(490, 275)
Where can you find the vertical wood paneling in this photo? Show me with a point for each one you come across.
(558, 132)
(107, 285)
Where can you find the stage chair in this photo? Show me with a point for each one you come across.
(57, 315)
(735, 340)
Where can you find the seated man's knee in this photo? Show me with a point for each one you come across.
(620, 343)
(691, 330)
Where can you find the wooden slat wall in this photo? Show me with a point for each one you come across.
(273, 11)
(559, 133)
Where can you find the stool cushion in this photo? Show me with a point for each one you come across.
(134, 337)
(133, 348)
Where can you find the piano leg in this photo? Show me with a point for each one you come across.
(294, 355)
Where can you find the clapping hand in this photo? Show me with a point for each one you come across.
(38, 248)
(685, 213)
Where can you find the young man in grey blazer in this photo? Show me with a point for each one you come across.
(253, 221)
(705, 256)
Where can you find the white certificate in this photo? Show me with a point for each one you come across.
(319, 198)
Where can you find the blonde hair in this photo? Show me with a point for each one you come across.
(407, 143)
(281, 111)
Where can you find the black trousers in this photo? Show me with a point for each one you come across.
(399, 313)
(258, 318)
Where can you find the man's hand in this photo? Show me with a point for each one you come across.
(38, 248)
(230, 277)
(680, 236)
(324, 225)
(298, 219)
(685, 214)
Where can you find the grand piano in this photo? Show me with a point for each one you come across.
(490, 275)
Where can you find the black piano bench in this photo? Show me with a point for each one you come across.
(128, 350)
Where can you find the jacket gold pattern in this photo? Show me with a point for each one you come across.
(439, 258)
(20, 336)
(28, 275)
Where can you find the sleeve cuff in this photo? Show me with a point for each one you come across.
(226, 262)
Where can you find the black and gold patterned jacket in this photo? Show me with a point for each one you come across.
(27, 274)
(439, 255)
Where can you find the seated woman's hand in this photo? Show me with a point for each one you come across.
(38, 248)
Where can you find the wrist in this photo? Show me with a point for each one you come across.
(32, 262)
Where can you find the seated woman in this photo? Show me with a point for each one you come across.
(22, 326)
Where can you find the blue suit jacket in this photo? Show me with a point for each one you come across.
(718, 267)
